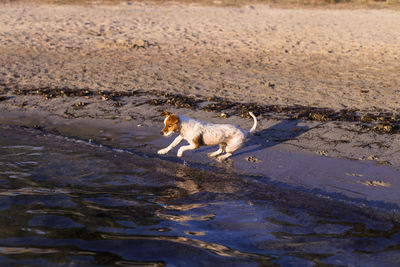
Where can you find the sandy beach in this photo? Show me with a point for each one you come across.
(325, 58)
(82, 89)
(321, 81)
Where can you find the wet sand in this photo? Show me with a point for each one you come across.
(324, 83)
(355, 182)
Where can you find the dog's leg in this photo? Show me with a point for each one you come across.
(171, 146)
(224, 157)
(231, 147)
(219, 151)
(215, 153)
(182, 149)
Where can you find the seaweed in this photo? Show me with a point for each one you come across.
(380, 122)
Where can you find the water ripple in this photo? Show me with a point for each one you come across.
(23, 250)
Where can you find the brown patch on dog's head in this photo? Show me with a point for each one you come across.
(171, 124)
(165, 113)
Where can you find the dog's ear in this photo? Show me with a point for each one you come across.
(165, 113)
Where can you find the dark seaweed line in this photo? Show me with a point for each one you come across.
(380, 122)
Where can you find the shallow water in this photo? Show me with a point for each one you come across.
(69, 202)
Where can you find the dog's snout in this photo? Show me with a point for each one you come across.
(162, 133)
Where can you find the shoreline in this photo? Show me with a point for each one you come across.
(358, 182)
(346, 134)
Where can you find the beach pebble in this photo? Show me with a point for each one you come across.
(252, 159)
(372, 157)
(223, 115)
(322, 152)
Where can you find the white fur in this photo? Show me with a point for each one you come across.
(229, 137)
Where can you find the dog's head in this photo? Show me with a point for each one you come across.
(171, 123)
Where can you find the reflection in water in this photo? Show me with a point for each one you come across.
(16, 250)
(65, 202)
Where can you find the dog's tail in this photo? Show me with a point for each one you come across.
(252, 130)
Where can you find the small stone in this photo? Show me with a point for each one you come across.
(271, 85)
(79, 104)
(223, 115)
(322, 152)
(252, 159)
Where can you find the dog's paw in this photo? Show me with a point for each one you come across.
(180, 152)
(162, 151)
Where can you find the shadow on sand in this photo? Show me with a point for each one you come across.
(279, 133)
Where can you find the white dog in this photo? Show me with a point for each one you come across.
(229, 137)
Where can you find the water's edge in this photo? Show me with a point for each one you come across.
(362, 184)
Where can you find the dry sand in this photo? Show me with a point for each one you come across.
(324, 58)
